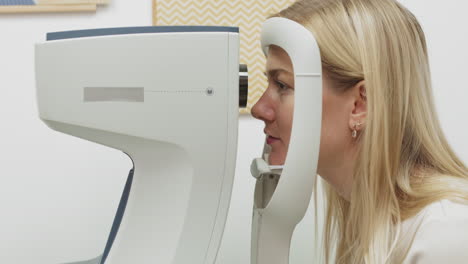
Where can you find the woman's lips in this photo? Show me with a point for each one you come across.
(271, 140)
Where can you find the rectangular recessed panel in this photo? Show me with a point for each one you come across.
(114, 94)
(16, 2)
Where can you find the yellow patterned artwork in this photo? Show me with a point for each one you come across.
(248, 15)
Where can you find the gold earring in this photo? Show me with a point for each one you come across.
(356, 125)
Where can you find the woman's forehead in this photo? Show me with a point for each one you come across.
(278, 60)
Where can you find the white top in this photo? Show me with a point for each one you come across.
(442, 236)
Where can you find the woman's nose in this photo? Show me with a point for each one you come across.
(263, 109)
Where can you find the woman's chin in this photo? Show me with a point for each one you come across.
(276, 158)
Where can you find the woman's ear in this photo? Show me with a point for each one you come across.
(358, 114)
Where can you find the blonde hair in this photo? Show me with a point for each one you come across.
(404, 161)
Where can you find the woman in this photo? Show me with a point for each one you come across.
(396, 192)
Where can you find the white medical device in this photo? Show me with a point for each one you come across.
(169, 98)
(282, 193)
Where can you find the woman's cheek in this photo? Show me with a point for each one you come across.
(285, 120)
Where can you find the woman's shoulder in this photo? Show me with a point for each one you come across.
(445, 211)
(442, 211)
(441, 234)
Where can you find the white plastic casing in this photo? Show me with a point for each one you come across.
(183, 141)
(274, 223)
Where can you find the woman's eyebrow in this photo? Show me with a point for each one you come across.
(274, 72)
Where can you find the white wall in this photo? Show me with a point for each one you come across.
(58, 194)
(446, 26)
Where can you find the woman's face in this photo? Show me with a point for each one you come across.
(276, 105)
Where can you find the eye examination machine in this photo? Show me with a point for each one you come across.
(169, 98)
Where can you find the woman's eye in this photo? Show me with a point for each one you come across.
(281, 86)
